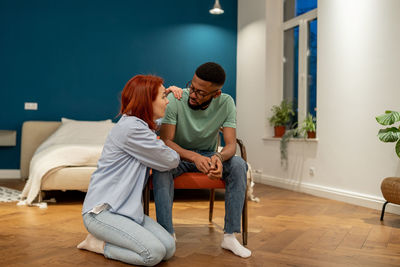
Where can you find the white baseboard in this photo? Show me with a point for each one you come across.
(10, 174)
(358, 199)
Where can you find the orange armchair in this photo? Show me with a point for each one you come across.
(196, 180)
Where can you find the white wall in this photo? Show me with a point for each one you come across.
(358, 78)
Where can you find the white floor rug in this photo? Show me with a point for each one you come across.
(9, 195)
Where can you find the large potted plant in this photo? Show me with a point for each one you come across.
(390, 186)
(307, 127)
(391, 134)
(281, 116)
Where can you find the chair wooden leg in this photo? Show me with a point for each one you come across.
(383, 210)
(212, 197)
(146, 199)
(244, 221)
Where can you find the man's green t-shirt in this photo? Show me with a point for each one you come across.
(198, 129)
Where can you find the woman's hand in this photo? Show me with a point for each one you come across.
(175, 90)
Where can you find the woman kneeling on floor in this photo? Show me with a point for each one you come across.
(112, 210)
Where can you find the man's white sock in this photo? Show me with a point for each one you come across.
(93, 244)
(231, 243)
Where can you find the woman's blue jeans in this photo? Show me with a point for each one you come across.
(128, 241)
(234, 175)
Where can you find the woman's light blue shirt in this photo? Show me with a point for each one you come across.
(131, 148)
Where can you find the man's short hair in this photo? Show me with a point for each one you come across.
(211, 72)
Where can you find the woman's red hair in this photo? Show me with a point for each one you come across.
(138, 96)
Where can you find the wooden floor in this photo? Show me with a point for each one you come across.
(285, 229)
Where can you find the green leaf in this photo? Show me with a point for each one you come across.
(388, 118)
(281, 114)
(398, 148)
(391, 134)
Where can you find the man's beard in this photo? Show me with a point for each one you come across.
(201, 106)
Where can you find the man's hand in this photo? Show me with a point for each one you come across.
(215, 172)
(175, 90)
(202, 163)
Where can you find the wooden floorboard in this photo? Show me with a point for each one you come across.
(285, 229)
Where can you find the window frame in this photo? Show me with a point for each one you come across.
(302, 22)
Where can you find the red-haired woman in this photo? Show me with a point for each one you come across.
(112, 210)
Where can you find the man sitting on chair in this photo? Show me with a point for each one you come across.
(191, 127)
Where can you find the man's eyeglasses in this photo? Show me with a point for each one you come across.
(197, 92)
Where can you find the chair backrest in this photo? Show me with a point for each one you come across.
(239, 142)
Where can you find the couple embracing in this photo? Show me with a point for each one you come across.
(191, 118)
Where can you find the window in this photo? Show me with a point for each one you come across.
(295, 8)
(291, 66)
(312, 67)
(300, 56)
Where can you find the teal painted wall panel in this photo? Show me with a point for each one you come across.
(74, 57)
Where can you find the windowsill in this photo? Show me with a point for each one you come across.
(291, 139)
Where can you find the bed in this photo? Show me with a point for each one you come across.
(60, 155)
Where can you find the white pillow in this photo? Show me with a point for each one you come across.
(73, 132)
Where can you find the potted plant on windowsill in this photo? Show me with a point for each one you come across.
(280, 117)
(307, 127)
(391, 134)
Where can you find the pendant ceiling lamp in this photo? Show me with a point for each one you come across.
(217, 9)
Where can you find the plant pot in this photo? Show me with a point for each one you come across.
(279, 131)
(310, 135)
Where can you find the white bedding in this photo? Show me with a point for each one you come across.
(75, 143)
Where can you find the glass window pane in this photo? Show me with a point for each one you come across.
(290, 67)
(312, 67)
(289, 9)
(294, 8)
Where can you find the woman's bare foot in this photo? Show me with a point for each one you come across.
(93, 244)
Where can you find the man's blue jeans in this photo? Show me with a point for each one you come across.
(234, 175)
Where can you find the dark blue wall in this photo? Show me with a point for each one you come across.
(74, 57)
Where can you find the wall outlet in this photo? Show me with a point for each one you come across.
(312, 171)
(258, 171)
(31, 106)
